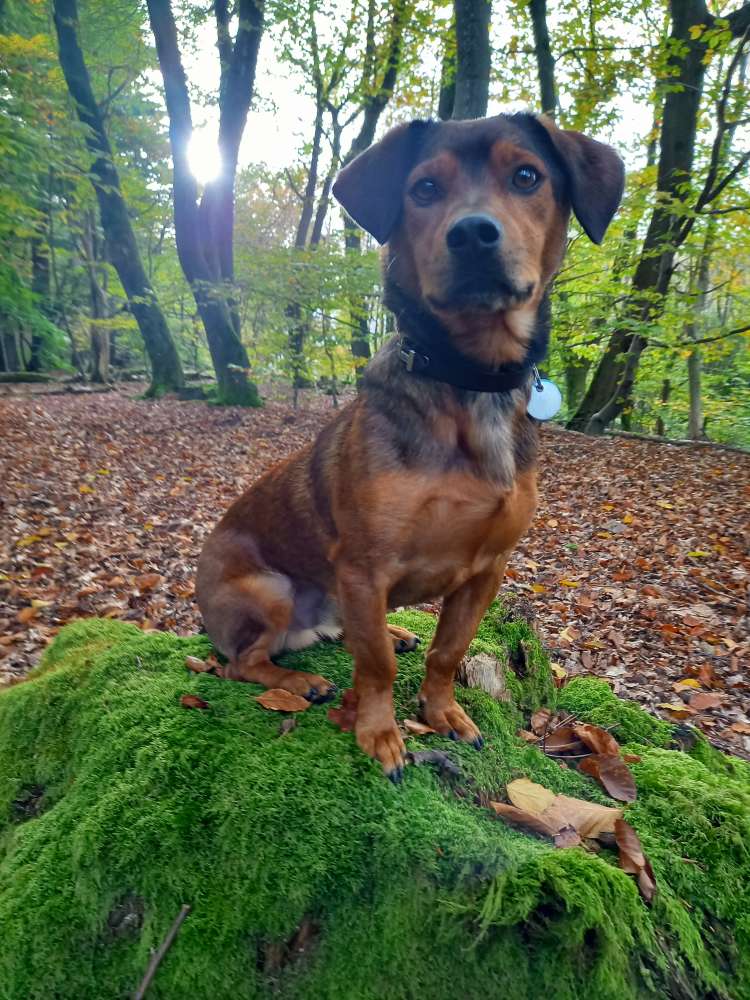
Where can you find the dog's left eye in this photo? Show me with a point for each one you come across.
(425, 191)
(526, 178)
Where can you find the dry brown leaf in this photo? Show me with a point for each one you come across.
(540, 720)
(705, 699)
(612, 773)
(197, 665)
(633, 860)
(740, 727)
(345, 717)
(568, 837)
(677, 711)
(523, 820)
(417, 728)
(563, 741)
(193, 701)
(279, 700)
(589, 818)
(148, 581)
(25, 615)
(527, 735)
(596, 739)
(631, 758)
(529, 796)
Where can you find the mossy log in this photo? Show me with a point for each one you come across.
(311, 876)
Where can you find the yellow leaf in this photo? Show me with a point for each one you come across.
(603, 534)
(569, 583)
(538, 588)
(628, 519)
(560, 672)
(148, 526)
(528, 795)
(28, 540)
(698, 553)
(102, 472)
(84, 488)
(664, 504)
(608, 506)
(688, 682)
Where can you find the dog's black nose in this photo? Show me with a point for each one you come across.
(474, 235)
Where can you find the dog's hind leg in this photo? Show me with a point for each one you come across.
(247, 617)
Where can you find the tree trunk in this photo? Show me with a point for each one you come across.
(614, 377)
(447, 96)
(100, 350)
(166, 370)
(373, 107)
(692, 332)
(544, 61)
(40, 286)
(666, 388)
(204, 230)
(472, 58)
(576, 370)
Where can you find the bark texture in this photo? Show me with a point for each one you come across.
(613, 380)
(166, 370)
(472, 58)
(204, 225)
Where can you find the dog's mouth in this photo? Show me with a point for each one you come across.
(481, 293)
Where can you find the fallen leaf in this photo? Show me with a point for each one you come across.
(589, 818)
(148, 581)
(677, 711)
(633, 860)
(528, 736)
(569, 583)
(631, 758)
(685, 684)
(197, 665)
(562, 741)
(345, 717)
(193, 701)
(529, 796)
(418, 728)
(287, 725)
(596, 739)
(523, 820)
(612, 773)
(279, 700)
(540, 720)
(740, 727)
(568, 837)
(25, 615)
(704, 699)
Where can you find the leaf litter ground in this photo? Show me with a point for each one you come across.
(635, 569)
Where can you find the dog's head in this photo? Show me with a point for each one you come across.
(475, 217)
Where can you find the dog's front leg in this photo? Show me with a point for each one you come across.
(461, 614)
(362, 603)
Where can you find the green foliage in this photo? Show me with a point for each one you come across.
(117, 805)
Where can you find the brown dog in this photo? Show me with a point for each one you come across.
(421, 487)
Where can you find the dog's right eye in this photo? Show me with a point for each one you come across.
(425, 191)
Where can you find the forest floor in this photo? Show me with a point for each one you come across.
(636, 568)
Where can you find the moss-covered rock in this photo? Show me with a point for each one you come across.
(309, 875)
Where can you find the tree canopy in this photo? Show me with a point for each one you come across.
(252, 275)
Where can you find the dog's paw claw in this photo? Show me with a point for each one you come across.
(396, 775)
(453, 735)
(478, 743)
(319, 698)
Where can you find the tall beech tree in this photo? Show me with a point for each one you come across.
(673, 214)
(204, 224)
(473, 57)
(122, 248)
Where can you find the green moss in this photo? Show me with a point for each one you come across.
(114, 799)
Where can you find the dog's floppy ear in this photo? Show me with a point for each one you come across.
(371, 187)
(596, 177)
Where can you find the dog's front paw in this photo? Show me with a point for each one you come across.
(384, 743)
(448, 718)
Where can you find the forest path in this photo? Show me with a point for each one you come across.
(636, 567)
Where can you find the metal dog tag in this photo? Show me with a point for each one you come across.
(545, 400)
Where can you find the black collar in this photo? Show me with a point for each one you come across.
(426, 349)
